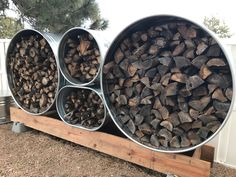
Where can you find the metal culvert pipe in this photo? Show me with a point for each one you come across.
(168, 83)
(82, 107)
(33, 73)
(81, 55)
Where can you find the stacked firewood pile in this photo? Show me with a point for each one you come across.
(33, 73)
(169, 85)
(82, 57)
(83, 107)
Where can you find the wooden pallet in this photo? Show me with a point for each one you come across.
(197, 165)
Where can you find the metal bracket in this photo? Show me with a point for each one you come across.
(18, 127)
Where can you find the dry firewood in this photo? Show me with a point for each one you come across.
(201, 104)
(218, 62)
(213, 51)
(174, 142)
(221, 114)
(229, 93)
(184, 92)
(184, 117)
(171, 101)
(85, 108)
(178, 49)
(220, 106)
(146, 100)
(184, 141)
(157, 104)
(121, 100)
(154, 141)
(177, 79)
(118, 56)
(203, 132)
(213, 126)
(207, 118)
(200, 91)
(174, 119)
(145, 128)
(194, 82)
(165, 61)
(178, 131)
(124, 118)
(162, 69)
(222, 81)
(204, 72)
(189, 53)
(151, 73)
(201, 48)
(199, 61)
(165, 134)
(218, 95)
(108, 66)
(156, 114)
(82, 58)
(196, 124)
(181, 62)
(131, 126)
(168, 125)
(189, 43)
(33, 70)
(194, 138)
(155, 123)
(160, 42)
(193, 113)
(164, 112)
(133, 102)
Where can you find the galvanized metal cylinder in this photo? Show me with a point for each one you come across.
(141, 25)
(5, 103)
(62, 99)
(75, 33)
(53, 41)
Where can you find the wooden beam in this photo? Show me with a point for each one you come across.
(208, 153)
(197, 153)
(122, 148)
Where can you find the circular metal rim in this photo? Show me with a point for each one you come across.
(18, 34)
(228, 58)
(61, 46)
(60, 109)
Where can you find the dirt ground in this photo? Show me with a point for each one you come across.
(35, 154)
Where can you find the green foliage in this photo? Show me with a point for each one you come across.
(4, 4)
(8, 27)
(217, 26)
(60, 15)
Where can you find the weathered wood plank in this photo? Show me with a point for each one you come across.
(122, 148)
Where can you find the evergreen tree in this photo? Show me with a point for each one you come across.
(4, 4)
(60, 15)
(217, 26)
(9, 26)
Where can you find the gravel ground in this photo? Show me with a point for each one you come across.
(36, 154)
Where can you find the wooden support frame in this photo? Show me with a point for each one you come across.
(177, 164)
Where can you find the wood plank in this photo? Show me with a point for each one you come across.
(197, 153)
(208, 153)
(122, 148)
